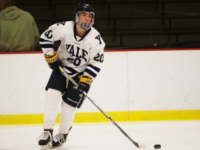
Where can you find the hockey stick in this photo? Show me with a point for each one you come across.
(138, 145)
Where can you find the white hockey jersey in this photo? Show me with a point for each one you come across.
(77, 54)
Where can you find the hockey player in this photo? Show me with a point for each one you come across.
(81, 56)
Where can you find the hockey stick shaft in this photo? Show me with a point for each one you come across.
(141, 145)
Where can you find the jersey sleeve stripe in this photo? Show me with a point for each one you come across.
(43, 40)
(90, 72)
(95, 68)
(47, 45)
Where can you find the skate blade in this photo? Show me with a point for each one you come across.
(48, 146)
(56, 146)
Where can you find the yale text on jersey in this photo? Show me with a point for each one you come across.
(77, 51)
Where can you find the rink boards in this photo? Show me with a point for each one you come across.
(133, 85)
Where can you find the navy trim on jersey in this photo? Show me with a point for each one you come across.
(75, 33)
(43, 40)
(47, 45)
(90, 72)
(95, 68)
(71, 70)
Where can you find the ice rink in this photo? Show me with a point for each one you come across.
(172, 135)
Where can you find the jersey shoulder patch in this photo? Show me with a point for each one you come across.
(95, 37)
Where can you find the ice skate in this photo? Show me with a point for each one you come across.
(45, 141)
(59, 139)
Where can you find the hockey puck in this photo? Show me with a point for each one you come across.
(157, 146)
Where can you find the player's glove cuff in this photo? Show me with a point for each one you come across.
(53, 61)
(84, 84)
(86, 79)
(51, 58)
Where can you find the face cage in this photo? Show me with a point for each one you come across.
(82, 25)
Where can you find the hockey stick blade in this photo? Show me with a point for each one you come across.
(138, 145)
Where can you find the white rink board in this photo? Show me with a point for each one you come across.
(23, 78)
(128, 81)
(164, 80)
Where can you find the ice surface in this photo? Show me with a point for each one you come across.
(172, 135)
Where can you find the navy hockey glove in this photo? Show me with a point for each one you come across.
(53, 61)
(84, 84)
